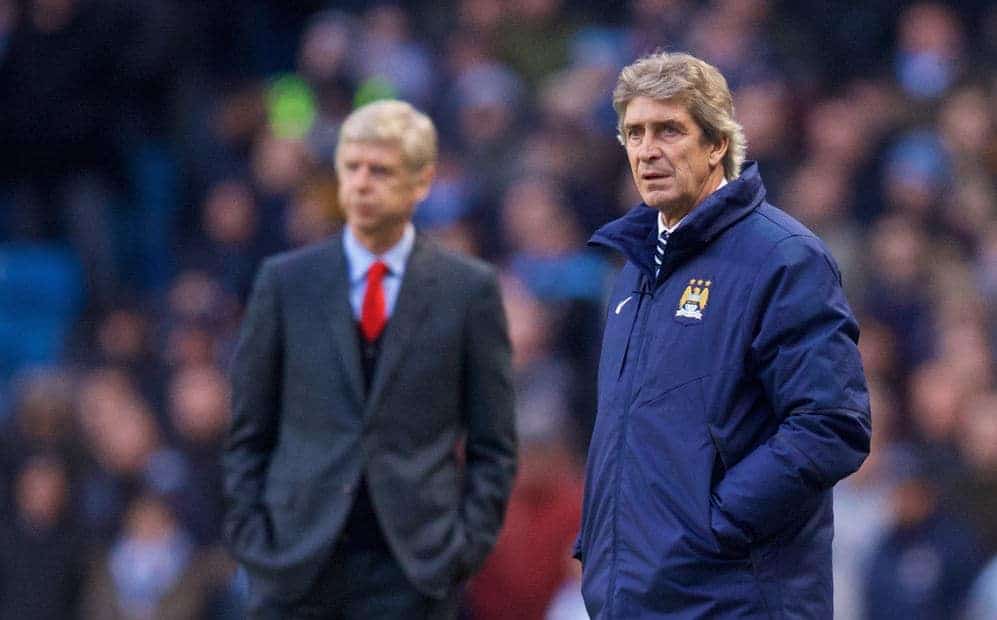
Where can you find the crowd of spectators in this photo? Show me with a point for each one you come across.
(152, 152)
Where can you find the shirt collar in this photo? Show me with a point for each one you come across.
(360, 258)
(661, 220)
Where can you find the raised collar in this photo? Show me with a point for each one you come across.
(635, 234)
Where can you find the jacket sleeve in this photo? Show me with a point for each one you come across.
(804, 354)
(255, 376)
(490, 421)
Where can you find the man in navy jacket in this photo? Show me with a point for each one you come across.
(731, 392)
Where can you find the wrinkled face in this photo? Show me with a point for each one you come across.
(673, 164)
(378, 191)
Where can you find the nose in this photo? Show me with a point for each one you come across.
(360, 179)
(648, 150)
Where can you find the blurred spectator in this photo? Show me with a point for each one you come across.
(724, 31)
(325, 61)
(764, 111)
(531, 558)
(837, 132)
(41, 552)
(895, 295)
(153, 571)
(983, 597)
(325, 52)
(966, 126)
(879, 353)
(929, 55)
(542, 376)
(279, 166)
(229, 249)
(199, 320)
(817, 195)
(125, 446)
(450, 200)
(125, 338)
(862, 510)
(220, 130)
(976, 493)
(533, 37)
(313, 213)
(389, 52)
(572, 141)
(42, 422)
(936, 394)
(546, 253)
(199, 414)
(485, 99)
(567, 603)
(917, 173)
(545, 245)
(928, 558)
(658, 24)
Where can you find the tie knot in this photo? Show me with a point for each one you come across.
(376, 271)
(664, 235)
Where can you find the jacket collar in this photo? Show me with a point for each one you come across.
(635, 234)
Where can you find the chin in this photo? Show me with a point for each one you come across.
(362, 218)
(369, 226)
(659, 201)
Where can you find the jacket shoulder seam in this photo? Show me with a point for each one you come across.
(772, 249)
(780, 226)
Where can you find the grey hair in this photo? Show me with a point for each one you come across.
(397, 122)
(697, 85)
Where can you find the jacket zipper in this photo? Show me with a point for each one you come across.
(642, 307)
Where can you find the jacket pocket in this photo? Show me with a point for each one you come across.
(720, 464)
(727, 536)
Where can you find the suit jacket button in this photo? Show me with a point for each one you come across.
(347, 489)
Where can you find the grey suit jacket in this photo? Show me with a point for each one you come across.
(303, 432)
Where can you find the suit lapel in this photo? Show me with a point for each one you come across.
(413, 302)
(333, 298)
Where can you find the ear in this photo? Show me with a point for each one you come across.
(718, 151)
(423, 181)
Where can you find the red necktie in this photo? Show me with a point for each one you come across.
(373, 313)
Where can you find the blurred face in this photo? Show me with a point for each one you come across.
(149, 519)
(378, 191)
(128, 441)
(673, 164)
(279, 164)
(199, 403)
(534, 220)
(41, 492)
(230, 213)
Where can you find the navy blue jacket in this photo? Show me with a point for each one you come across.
(731, 399)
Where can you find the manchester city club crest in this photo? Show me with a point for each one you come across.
(694, 299)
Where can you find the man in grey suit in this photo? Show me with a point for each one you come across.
(363, 365)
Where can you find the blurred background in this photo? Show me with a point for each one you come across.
(152, 152)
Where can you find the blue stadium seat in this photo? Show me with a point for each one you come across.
(41, 295)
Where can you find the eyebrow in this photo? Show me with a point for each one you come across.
(656, 123)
